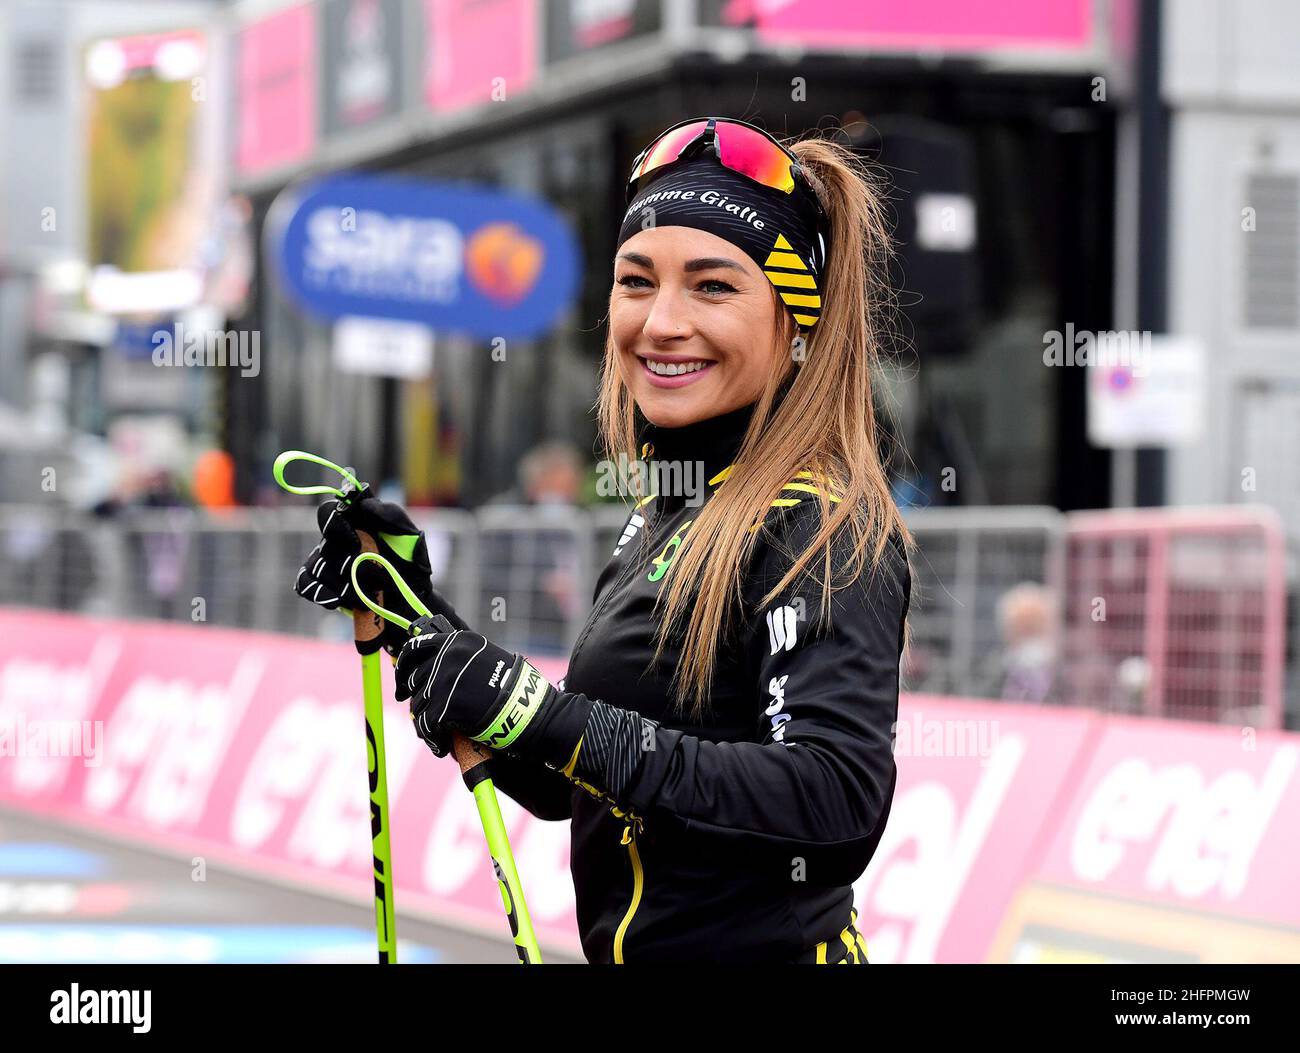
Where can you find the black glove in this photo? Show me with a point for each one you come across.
(326, 575)
(459, 680)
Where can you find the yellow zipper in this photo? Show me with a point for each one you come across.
(638, 880)
(633, 823)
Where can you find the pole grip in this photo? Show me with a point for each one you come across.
(472, 757)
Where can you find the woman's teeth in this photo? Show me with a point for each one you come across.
(668, 369)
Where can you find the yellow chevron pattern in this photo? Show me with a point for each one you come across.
(647, 450)
(788, 272)
(790, 502)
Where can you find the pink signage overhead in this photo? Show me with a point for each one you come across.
(277, 90)
(479, 51)
(946, 25)
(144, 51)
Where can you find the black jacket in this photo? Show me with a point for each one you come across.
(736, 839)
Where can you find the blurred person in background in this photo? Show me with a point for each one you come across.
(150, 502)
(214, 480)
(721, 721)
(147, 486)
(533, 565)
(1132, 681)
(1025, 669)
(550, 475)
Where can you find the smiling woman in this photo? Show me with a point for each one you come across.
(721, 743)
(745, 314)
(712, 312)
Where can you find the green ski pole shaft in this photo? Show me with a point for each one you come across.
(473, 759)
(385, 923)
(366, 626)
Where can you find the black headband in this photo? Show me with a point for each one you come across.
(777, 231)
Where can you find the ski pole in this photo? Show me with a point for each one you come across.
(473, 758)
(366, 625)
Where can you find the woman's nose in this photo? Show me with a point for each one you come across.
(668, 318)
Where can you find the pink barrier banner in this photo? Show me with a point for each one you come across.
(1017, 833)
(249, 749)
(1178, 837)
(977, 782)
(276, 86)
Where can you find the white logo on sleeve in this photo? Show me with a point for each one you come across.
(776, 687)
(629, 532)
(782, 628)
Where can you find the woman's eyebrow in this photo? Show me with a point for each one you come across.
(705, 263)
(708, 263)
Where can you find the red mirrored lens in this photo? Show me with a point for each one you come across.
(742, 149)
(752, 154)
(669, 147)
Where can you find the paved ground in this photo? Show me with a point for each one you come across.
(73, 897)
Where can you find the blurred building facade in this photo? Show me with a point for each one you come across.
(71, 370)
(1233, 86)
(1071, 123)
(586, 86)
(1057, 169)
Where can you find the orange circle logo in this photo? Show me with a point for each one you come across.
(503, 262)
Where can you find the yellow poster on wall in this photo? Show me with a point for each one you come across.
(152, 174)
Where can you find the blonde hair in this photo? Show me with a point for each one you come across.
(826, 424)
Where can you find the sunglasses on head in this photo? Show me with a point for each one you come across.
(741, 147)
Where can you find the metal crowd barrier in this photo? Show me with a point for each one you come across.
(1177, 613)
(1193, 624)
(966, 560)
(524, 574)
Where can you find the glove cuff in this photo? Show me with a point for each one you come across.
(524, 693)
(535, 719)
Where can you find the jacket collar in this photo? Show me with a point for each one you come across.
(701, 451)
(711, 443)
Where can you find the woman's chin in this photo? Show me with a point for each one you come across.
(671, 409)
